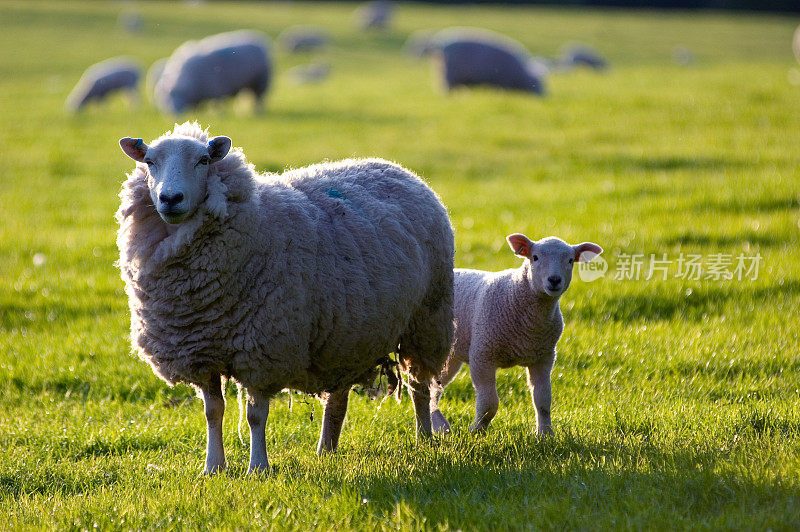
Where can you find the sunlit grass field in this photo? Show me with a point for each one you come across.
(676, 401)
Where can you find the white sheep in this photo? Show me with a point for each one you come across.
(103, 79)
(305, 280)
(215, 68)
(510, 318)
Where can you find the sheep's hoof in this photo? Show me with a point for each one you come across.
(544, 431)
(439, 423)
(213, 470)
(258, 468)
(478, 429)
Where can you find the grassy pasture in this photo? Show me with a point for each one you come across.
(676, 401)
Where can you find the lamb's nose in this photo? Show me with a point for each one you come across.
(554, 280)
(170, 200)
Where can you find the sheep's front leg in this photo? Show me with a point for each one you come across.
(257, 412)
(486, 400)
(214, 405)
(332, 420)
(421, 397)
(539, 384)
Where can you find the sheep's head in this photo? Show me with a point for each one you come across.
(551, 260)
(177, 171)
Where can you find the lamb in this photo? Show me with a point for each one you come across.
(305, 280)
(479, 57)
(102, 79)
(214, 68)
(510, 318)
(303, 39)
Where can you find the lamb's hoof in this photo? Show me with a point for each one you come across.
(478, 429)
(258, 469)
(439, 424)
(213, 470)
(544, 431)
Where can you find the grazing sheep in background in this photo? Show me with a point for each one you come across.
(303, 39)
(479, 57)
(310, 73)
(305, 280)
(214, 68)
(576, 55)
(131, 21)
(102, 79)
(376, 15)
(421, 43)
(510, 318)
(153, 75)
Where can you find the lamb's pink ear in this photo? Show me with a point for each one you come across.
(133, 148)
(218, 148)
(521, 244)
(586, 251)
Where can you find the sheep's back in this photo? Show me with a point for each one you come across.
(382, 236)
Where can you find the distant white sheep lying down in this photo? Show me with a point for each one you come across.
(305, 280)
(510, 318)
(472, 56)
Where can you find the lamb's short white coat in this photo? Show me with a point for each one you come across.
(510, 318)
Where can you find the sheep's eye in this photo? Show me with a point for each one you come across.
(149, 162)
(571, 261)
(203, 160)
(535, 258)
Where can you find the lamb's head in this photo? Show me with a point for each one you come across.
(177, 171)
(551, 260)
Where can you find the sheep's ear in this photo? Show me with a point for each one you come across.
(218, 148)
(521, 244)
(587, 251)
(133, 148)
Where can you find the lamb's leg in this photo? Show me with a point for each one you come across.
(332, 420)
(421, 397)
(438, 421)
(214, 409)
(486, 399)
(539, 383)
(257, 412)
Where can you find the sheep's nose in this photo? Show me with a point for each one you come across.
(554, 280)
(170, 200)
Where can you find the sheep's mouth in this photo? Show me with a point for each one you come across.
(553, 292)
(173, 216)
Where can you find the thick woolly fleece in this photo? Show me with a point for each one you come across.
(302, 280)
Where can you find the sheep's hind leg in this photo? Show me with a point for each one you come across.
(539, 384)
(486, 399)
(214, 405)
(332, 420)
(438, 421)
(421, 397)
(257, 412)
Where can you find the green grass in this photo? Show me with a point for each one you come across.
(676, 402)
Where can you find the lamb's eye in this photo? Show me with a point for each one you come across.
(203, 160)
(571, 261)
(149, 162)
(535, 258)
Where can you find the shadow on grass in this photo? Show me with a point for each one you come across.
(38, 315)
(578, 483)
(662, 163)
(698, 305)
(720, 242)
